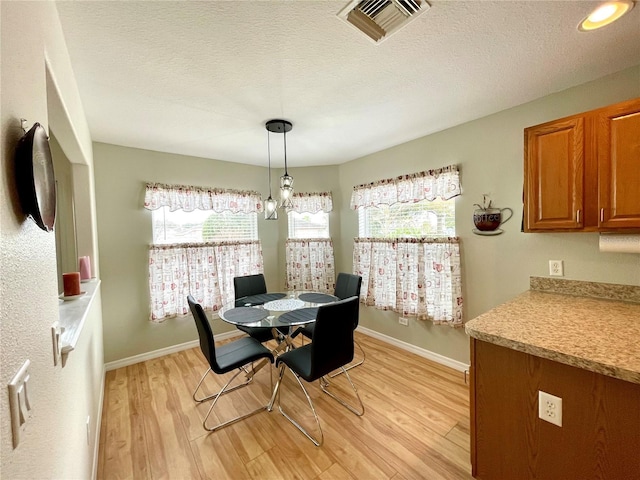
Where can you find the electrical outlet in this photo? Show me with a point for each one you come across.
(403, 321)
(556, 268)
(550, 408)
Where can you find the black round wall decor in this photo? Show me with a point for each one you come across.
(35, 178)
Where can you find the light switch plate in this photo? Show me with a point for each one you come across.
(19, 402)
(56, 333)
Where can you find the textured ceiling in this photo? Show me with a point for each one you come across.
(201, 78)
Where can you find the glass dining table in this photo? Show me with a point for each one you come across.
(282, 312)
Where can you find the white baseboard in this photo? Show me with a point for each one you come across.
(143, 357)
(96, 435)
(428, 354)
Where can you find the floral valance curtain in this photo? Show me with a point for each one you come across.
(310, 265)
(428, 185)
(312, 202)
(203, 270)
(189, 198)
(414, 277)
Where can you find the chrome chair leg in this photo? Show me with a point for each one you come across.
(315, 441)
(324, 384)
(248, 380)
(215, 400)
(352, 365)
(276, 390)
(254, 369)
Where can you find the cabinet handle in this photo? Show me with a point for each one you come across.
(602, 214)
(578, 216)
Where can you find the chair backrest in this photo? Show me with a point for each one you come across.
(207, 343)
(249, 285)
(348, 285)
(332, 345)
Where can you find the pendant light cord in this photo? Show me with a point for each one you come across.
(285, 149)
(269, 154)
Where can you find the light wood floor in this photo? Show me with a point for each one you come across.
(415, 426)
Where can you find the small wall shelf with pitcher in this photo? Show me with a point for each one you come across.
(488, 218)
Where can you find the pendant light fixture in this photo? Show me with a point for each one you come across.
(270, 205)
(286, 180)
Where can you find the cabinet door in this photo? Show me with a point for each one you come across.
(619, 166)
(554, 175)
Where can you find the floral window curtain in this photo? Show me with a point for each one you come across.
(312, 202)
(414, 277)
(310, 262)
(427, 185)
(310, 265)
(203, 270)
(189, 198)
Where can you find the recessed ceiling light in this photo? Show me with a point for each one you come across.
(605, 14)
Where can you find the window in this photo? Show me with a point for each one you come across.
(203, 239)
(308, 225)
(424, 218)
(202, 226)
(407, 253)
(309, 249)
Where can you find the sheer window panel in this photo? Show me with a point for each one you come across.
(202, 226)
(308, 225)
(429, 219)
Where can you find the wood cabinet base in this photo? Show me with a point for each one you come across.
(600, 433)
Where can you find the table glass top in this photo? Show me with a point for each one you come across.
(275, 309)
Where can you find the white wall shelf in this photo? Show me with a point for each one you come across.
(72, 315)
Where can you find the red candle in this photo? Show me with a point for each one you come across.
(71, 283)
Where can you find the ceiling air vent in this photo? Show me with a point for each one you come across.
(379, 19)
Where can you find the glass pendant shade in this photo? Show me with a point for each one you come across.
(270, 209)
(286, 191)
(286, 180)
(270, 205)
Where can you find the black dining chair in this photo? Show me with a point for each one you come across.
(237, 354)
(347, 285)
(244, 287)
(330, 349)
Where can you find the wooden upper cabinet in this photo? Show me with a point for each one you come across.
(619, 165)
(554, 170)
(582, 173)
